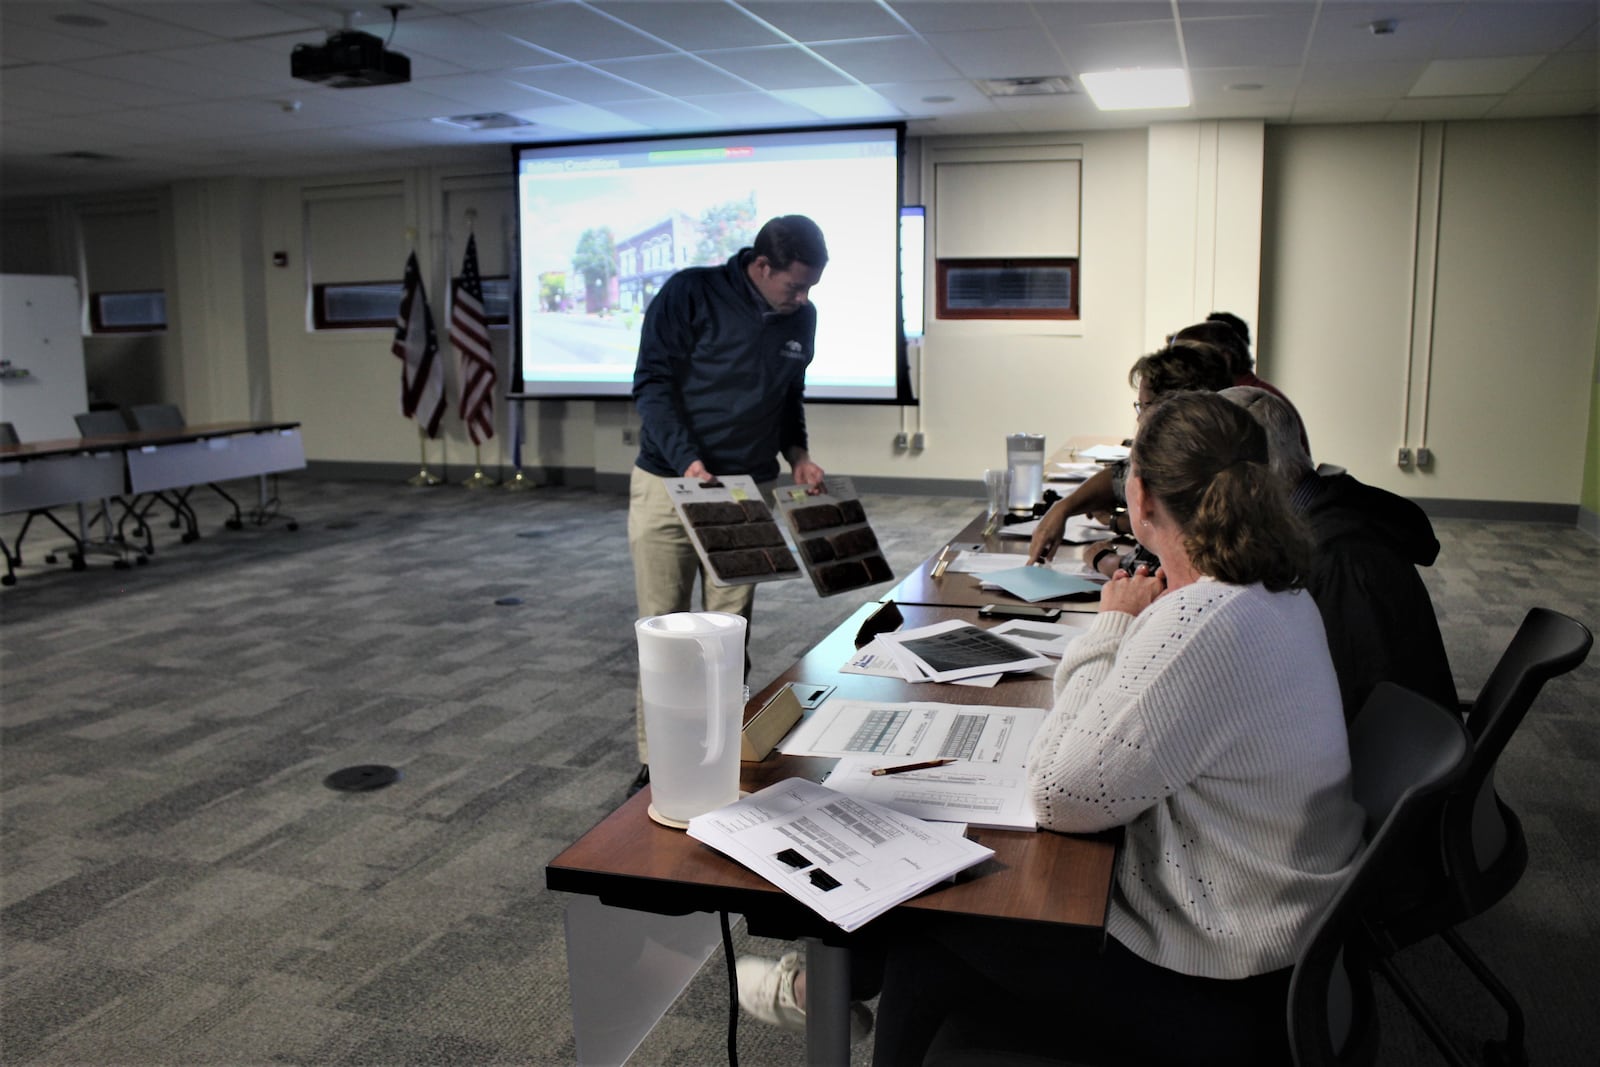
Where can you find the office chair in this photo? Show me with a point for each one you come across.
(13, 552)
(113, 424)
(1406, 752)
(1483, 852)
(169, 417)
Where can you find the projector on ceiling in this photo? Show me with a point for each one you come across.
(349, 60)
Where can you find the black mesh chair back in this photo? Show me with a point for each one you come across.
(1481, 851)
(100, 423)
(8, 434)
(1406, 754)
(155, 417)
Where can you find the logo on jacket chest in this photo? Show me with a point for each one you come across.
(792, 349)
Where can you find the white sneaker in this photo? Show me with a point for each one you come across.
(766, 991)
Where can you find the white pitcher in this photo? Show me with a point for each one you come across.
(691, 680)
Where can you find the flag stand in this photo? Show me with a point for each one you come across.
(423, 477)
(518, 482)
(478, 479)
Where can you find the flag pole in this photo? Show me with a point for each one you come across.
(518, 482)
(423, 476)
(477, 479)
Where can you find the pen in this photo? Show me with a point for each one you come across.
(941, 563)
(912, 766)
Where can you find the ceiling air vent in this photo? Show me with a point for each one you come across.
(491, 120)
(1026, 87)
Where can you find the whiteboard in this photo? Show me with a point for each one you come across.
(40, 333)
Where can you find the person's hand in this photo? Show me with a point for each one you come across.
(697, 471)
(1133, 594)
(1047, 534)
(810, 475)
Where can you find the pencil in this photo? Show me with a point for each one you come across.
(912, 766)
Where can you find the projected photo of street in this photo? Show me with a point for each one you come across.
(603, 226)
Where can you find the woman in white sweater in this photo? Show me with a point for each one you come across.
(1201, 713)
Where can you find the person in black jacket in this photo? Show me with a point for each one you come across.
(1368, 544)
(719, 387)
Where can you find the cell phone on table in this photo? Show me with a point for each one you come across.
(1019, 611)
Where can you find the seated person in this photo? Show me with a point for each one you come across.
(1172, 369)
(1199, 711)
(1234, 341)
(1366, 547)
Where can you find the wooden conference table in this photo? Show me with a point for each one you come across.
(1054, 880)
(39, 475)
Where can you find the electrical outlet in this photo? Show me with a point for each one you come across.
(901, 441)
(918, 441)
(1404, 460)
(1424, 458)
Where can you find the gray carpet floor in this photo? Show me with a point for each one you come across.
(177, 885)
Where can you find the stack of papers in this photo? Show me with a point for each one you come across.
(952, 650)
(977, 794)
(1105, 453)
(849, 860)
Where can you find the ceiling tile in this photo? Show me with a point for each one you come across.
(784, 67)
(844, 102)
(664, 114)
(958, 16)
(159, 71)
(836, 20)
(69, 81)
(1343, 32)
(692, 25)
(122, 29)
(235, 20)
(577, 82)
(674, 75)
(1271, 40)
(1565, 72)
(480, 92)
(1361, 81)
(582, 119)
(1442, 109)
(753, 109)
(1121, 44)
(1497, 29)
(466, 44)
(1532, 105)
(887, 59)
(569, 30)
(999, 54)
(1464, 77)
(1277, 85)
(31, 44)
(910, 96)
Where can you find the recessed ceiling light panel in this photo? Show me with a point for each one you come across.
(1128, 90)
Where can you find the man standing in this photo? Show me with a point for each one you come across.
(719, 387)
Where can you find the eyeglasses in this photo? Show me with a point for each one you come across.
(1138, 408)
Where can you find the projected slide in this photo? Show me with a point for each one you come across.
(603, 225)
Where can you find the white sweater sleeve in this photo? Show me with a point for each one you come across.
(1086, 774)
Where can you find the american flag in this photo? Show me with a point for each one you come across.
(422, 375)
(469, 332)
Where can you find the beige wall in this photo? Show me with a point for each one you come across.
(1434, 285)
(1436, 278)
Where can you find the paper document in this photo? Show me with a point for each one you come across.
(1079, 529)
(1104, 452)
(916, 730)
(849, 860)
(977, 794)
(1069, 472)
(953, 649)
(1041, 583)
(875, 659)
(1046, 638)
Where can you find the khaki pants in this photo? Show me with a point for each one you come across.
(665, 566)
